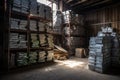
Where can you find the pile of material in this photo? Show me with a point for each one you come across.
(20, 5)
(18, 40)
(34, 41)
(42, 56)
(33, 25)
(43, 41)
(22, 59)
(33, 57)
(18, 24)
(33, 7)
(50, 41)
(41, 26)
(50, 55)
(100, 50)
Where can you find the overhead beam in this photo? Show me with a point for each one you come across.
(79, 2)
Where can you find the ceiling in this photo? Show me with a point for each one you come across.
(86, 5)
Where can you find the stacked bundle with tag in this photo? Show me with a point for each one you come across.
(33, 57)
(50, 41)
(22, 59)
(41, 10)
(34, 41)
(20, 6)
(33, 25)
(50, 55)
(115, 56)
(43, 41)
(42, 56)
(33, 7)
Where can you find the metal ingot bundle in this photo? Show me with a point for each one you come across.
(42, 38)
(50, 41)
(22, 59)
(33, 25)
(33, 57)
(50, 55)
(34, 41)
(41, 26)
(42, 56)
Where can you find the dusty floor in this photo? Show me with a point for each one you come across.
(72, 69)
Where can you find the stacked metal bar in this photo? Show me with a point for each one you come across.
(34, 41)
(33, 25)
(41, 26)
(99, 54)
(17, 40)
(23, 24)
(50, 55)
(14, 23)
(115, 56)
(43, 40)
(42, 56)
(33, 7)
(20, 6)
(50, 41)
(18, 24)
(41, 10)
(32, 57)
(48, 13)
(22, 59)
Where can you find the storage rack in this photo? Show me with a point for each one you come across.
(9, 13)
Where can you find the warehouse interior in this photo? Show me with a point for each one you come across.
(60, 40)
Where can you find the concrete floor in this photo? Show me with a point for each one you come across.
(72, 69)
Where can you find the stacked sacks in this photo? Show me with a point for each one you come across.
(42, 56)
(33, 57)
(22, 59)
(34, 41)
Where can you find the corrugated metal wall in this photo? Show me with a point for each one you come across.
(102, 17)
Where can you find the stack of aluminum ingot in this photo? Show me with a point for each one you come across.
(41, 26)
(20, 6)
(22, 41)
(14, 23)
(50, 55)
(18, 40)
(99, 54)
(50, 41)
(33, 25)
(12, 60)
(42, 56)
(41, 10)
(33, 7)
(25, 6)
(115, 56)
(33, 57)
(23, 24)
(22, 59)
(34, 41)
(48, 13)
(14, 40)
(18, 24)
(42, 38)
